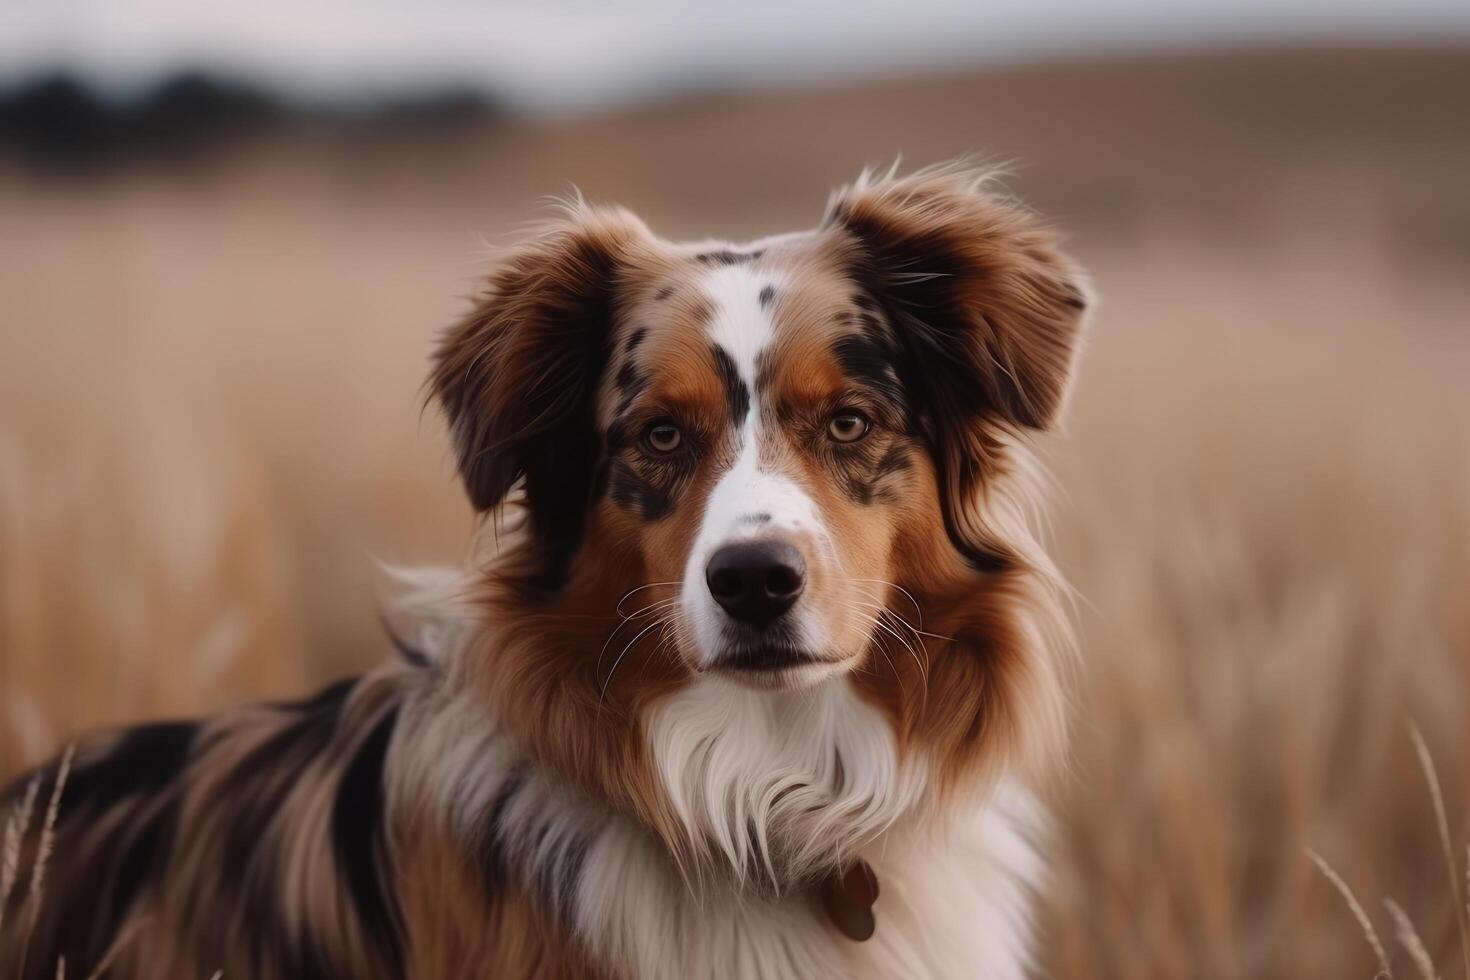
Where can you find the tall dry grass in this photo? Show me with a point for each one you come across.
(1268, 515)
(209, 392)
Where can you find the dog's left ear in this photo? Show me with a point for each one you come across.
(517, 377)
(989, 307)
(987, 315)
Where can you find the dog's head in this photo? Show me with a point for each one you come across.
(792, 465)
(772, 437)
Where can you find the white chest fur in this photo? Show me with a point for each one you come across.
(774, 784)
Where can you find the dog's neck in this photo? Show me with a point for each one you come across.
(954, 892)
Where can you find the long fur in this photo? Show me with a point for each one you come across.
(562, 775)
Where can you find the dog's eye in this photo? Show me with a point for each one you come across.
(662, 437)
(847, 426)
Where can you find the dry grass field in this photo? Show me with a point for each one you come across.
(210, 425)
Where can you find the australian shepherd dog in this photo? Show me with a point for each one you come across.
(756, 673)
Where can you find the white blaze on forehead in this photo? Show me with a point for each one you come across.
(740, 326)
(744, 329)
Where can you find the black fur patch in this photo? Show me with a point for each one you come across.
(616, 437)
(141, 858)
(629, 380)
(896, 460)
(866, 487)
(557, 879)
(258, 787)
(136, 775)
(133, 785)
(726, 256)
(763, 370)
(767, 294)
(359, 818)
(737, 395)
(860, 488)
(634, 339)
(492, 859)
(872, 326)
(870, 361)
(146, 760)
(632, 492)
(986, 560)
(565, 890)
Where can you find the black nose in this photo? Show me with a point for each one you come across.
(756, 581)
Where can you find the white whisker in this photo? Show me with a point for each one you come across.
(660, 605)
(632, 592)
(624, 653)
(918, 611)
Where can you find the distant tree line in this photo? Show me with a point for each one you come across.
(60, 121)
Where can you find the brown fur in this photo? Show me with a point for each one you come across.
(314, 839)
(457, 935)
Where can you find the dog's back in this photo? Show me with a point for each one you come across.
(259, 835)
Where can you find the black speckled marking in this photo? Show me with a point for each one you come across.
(630, 381)
(768, 293)
(737, 395)
(633, 493)
(896, 460)
(864, 482)
(627, 377)
(763, 369)
(727, 256)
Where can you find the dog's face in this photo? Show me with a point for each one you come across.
(762, 444)
(761, 454)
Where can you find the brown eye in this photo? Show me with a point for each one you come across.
(847, 427)
(663, 437)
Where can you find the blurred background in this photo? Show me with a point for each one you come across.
(230, 233)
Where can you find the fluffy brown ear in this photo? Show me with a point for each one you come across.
(986, 311)
(975, 284)
(517, 377)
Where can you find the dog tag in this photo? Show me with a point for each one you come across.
(848, 899)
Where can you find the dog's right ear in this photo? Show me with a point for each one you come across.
(517, 377)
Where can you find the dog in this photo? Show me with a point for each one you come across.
(757, 673)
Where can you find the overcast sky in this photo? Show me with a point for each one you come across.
(567, 55)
